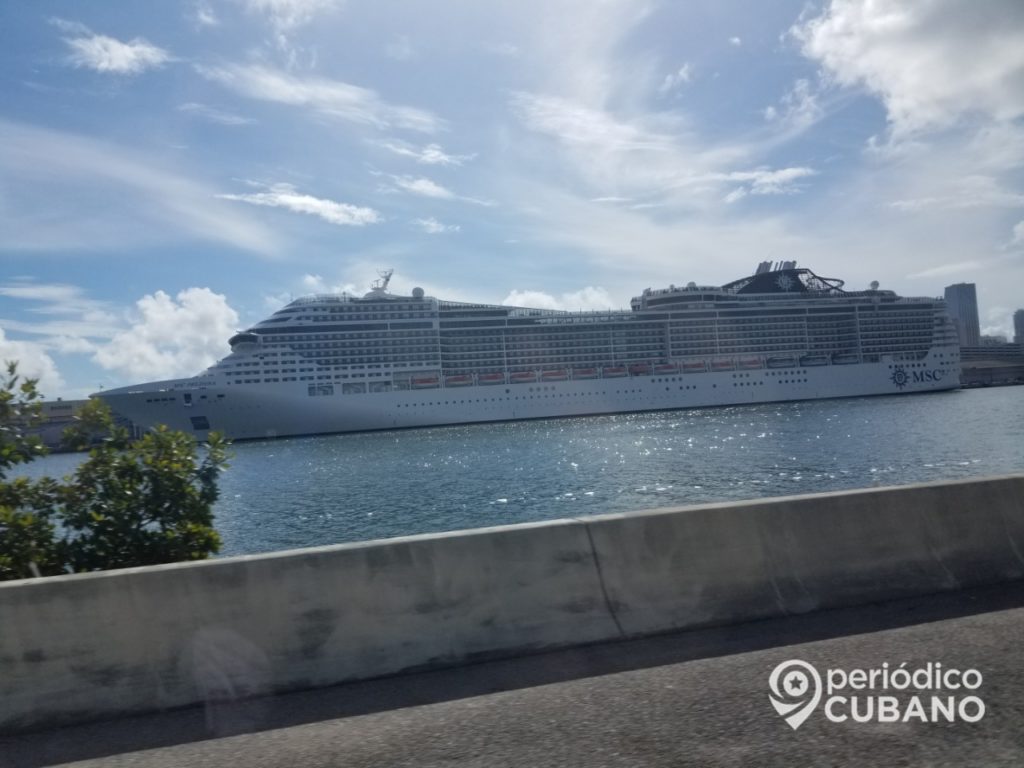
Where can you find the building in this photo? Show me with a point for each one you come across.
(962, 305)
(1018, 327)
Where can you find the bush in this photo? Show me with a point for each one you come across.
(131, 502)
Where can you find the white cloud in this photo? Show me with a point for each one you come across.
(930, 63)
(203, 15)
(107, 197)
(799, 107)
(434, 227)
(33, 363)
(651, 156)
(998, 322)
(971, 191)
(431, 154)
(69, 312)
(286, 196)
(213, 115)
(1018, 233)
(317, 284)
(953, 268)
(333, 98)
(575, 123)
(287, 15)
(764, 181)
(675, 80)
(735, 41)
(586, 299)
(423, 187)
(171, 337)
(107, 54)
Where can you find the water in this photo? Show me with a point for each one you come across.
(311, 491)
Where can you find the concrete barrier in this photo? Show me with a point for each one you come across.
(98, 645)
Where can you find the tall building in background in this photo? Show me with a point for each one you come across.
(1018, 327)
(962, 305)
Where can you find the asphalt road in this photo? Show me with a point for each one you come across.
(696, 698)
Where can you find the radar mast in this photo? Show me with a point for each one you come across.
(381, 285)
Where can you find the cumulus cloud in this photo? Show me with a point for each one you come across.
(171, 337)
(434, 227)
(736, 41)
(33, 362)
(332, 98)
(930, 63)
(288, 197)
(587, 299)
(1018, 233)
(107, 54)
(431, 154)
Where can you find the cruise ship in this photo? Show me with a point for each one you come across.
(341, 363)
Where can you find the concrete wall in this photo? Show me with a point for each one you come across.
(96, 645)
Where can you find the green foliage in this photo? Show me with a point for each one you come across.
(131, 502)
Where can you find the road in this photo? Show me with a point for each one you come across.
(696, 698)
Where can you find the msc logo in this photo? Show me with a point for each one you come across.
(901, 378)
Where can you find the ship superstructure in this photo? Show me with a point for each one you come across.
(337, 363)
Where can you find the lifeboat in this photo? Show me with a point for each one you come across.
(695, 366)
(809, 360)
(523, 377)
(640, 369)
(554, 375)
(584, 373)
(723, 365)
(613, 371)
(425, 382)
(846, 359)
(750, 362)
(458, 380)
(491, 378)
(666, 368)
(784, 361)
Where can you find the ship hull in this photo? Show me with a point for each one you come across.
(281, 410)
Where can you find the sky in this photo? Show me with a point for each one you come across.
(172, 172)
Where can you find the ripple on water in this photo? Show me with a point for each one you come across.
(312, 491)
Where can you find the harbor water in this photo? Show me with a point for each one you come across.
(325, 490)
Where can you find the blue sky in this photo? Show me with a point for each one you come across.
(172, 171)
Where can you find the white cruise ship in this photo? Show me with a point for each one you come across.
(339, 363)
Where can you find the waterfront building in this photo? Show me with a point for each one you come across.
(962, 305)
(1018, 328)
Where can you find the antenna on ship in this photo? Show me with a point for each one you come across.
(385, 278)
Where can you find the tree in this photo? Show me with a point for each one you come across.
(131, 502)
